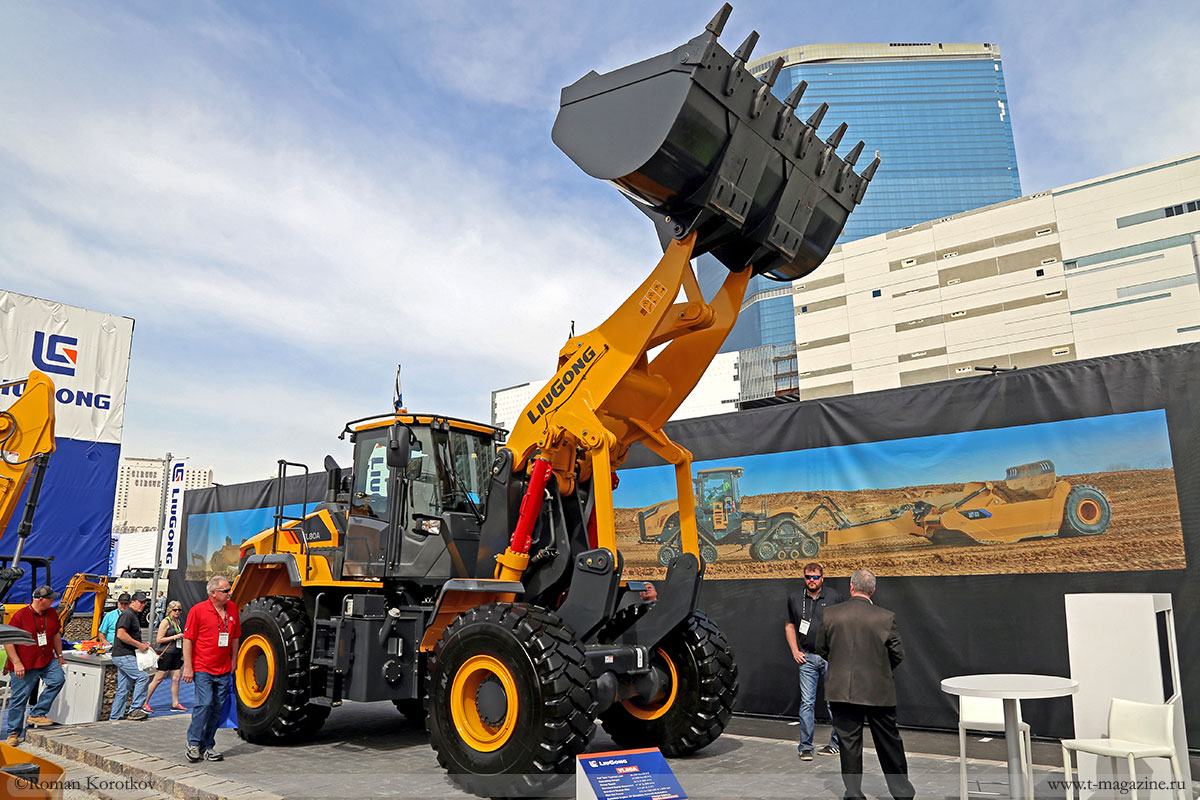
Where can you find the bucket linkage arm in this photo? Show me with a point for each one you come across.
(609, 394)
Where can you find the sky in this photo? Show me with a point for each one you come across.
(1109, 443)
(292, 198)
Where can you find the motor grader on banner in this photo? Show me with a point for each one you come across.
(475, 581)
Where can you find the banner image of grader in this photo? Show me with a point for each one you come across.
(1030, 503)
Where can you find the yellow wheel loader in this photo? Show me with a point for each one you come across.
(479, 579)
(723, 518)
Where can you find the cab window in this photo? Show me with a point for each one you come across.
(371, 476)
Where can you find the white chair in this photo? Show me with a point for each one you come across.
(1135, 730)
(987, 714)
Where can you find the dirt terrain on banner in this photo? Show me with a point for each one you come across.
(1145, 534)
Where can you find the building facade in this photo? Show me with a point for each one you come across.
(139, 496)
(937, 113)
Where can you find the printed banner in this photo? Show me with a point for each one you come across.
(86, 354)
(169, 558)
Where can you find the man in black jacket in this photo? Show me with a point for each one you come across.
(862, 646)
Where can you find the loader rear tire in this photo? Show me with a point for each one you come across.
(413, 710)
(698, 704)
(1087, 512)
(510, 700)
(271, 673)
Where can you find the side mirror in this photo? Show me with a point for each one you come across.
(398, 446)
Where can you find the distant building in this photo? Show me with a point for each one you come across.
(138, 501)
(939, 116)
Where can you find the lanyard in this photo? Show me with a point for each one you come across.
(40, 623)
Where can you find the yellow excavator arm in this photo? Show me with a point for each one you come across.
(26, 433)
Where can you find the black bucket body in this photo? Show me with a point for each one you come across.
(701, 145)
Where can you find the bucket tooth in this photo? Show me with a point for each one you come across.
(784, 120)
(739, 62)
(867, 174)
(764, 89)
(793, 99)
(835, 138)
(742, 54)
(852, 157)
(814, 121)
(717, 25)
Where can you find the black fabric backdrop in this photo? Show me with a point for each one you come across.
(951, 625)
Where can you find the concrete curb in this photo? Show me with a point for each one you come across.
(160, 778)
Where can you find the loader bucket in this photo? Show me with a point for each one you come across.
(702, 146)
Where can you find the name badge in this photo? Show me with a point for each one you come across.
(803, 627)
(179, 643)
(223, 639)
(41, 639)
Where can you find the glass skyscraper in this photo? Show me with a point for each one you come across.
(939, 116)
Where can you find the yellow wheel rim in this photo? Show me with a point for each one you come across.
(656, 708)
(477, 733)
(253, 693)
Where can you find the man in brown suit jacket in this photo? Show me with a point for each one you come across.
(862, 646)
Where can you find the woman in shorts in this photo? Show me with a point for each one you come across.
(170, 660)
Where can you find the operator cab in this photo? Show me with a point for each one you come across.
(419, 484)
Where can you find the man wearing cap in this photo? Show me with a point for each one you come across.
(40, 661)
(108, 625)
(126, 645)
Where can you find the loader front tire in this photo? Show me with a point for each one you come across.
(1087, 512)
(510, 700)
(271, 673)
(694, 710)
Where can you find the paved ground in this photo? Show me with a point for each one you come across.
(370, 751)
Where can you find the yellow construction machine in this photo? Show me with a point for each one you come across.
(475, 581)
(26, 442)
(1030, 503)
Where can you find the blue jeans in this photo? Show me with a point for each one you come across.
(812, 670)
(53, 678)
(128, 675)
(210, 693)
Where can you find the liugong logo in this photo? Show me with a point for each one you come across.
(54, 353)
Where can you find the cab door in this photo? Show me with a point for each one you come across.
(369, 522)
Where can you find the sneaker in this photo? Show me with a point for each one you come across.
(40, 722)
(213, 755)
(137, 715)
(829, 750)
(806, 755)
(13, 740)
(193, 753)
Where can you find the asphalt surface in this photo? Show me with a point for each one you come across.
(371, 751)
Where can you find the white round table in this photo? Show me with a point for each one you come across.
(1011, 688)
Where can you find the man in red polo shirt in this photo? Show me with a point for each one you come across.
(40, 661)
(210, 644)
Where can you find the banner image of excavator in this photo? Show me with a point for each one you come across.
(26, 443)
(1030, 503)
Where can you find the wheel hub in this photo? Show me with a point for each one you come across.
(491, 701)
